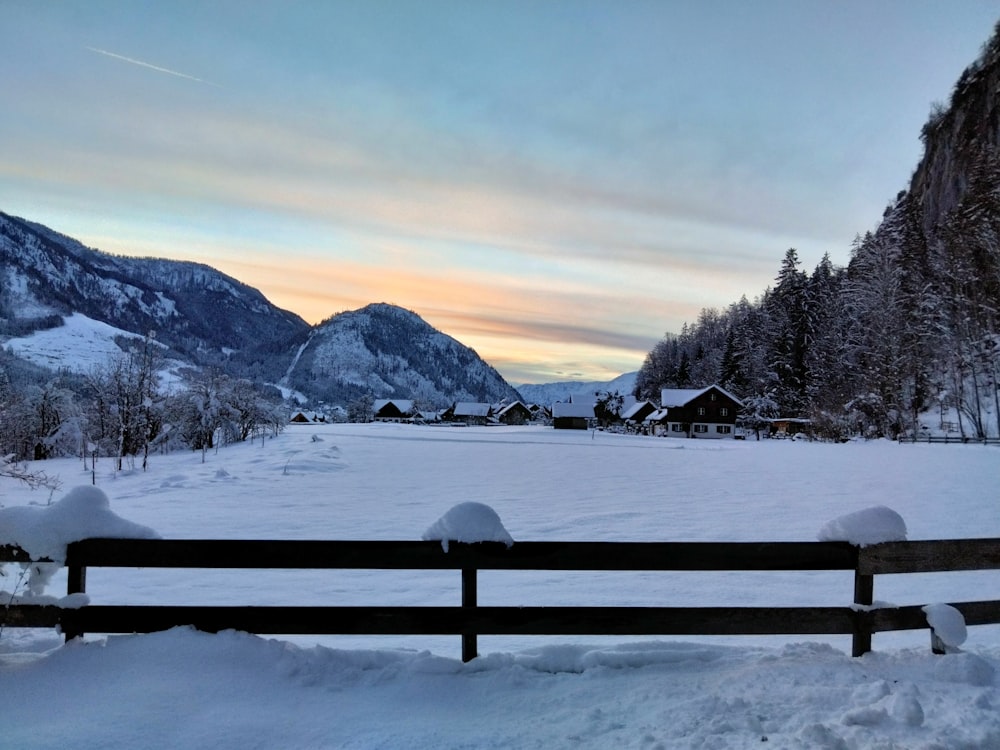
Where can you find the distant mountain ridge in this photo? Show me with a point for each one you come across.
(196, 311)
(208, 319)
(576, 390)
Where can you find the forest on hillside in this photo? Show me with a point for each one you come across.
(907, 333)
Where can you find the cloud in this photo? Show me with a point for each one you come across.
(157, 68)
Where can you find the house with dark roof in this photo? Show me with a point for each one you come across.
(393, 409)
(470, 412)
(514, 413)
(635, 415)
(696, 413)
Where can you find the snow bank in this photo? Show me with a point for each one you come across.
(44, 531)
(948, 624)
(864, 527)
(468, 522)
(235, 691)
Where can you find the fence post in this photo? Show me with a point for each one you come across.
(864, 591)
(470, 649)
(76, 583)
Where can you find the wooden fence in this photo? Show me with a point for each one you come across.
(948, 440)
(858, 619)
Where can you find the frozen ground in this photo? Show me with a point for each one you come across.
(185, 689)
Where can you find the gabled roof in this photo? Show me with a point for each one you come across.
(635, 408)
(404, 405)
(561, 409)
(472, 409)
(657, 416)
(503, 410)
(684, 396)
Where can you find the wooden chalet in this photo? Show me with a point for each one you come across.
(514, 413)
(697, 413)
(572, 416)
(636, 414)
(393, 409)
(306, 417)
(470, 412)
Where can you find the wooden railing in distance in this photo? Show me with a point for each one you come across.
(469, 620)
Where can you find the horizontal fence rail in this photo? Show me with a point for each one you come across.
(860, 619)
(948, 440)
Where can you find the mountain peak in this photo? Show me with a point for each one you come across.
(386, 351)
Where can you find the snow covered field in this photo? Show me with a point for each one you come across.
(192, 690)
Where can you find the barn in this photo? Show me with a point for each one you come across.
(572, 416)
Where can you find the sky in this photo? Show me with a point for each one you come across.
(556, 184)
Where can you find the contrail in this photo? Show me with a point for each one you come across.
(151, 67)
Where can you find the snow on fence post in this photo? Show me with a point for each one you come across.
(861, 528)
(947, 625)
(469, 523)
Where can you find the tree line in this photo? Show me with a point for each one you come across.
(908, 330)
(124, 410)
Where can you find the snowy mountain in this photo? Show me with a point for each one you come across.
(389, 352)
(59, 298)
(576, 390)
(202, 315)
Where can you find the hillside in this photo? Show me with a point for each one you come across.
(387, 352)
(204, 319)
(200, 314)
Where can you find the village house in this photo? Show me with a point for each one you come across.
(572, 416)
(393, 409)
(307, 417)
(635, 415)
(696, 413)
(470, 412)
(514, 413)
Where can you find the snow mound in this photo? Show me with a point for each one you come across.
(948, 624)
(869, 526)
(83, 513)
(468, 522)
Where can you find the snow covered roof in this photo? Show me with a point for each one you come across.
(682, 396)
(503, 410)
(656, 416)
(635, 408)
(563, 409)
(472, 409)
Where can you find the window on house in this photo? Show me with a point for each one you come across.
(676, 428)
(701, 428)
(723, 429)
(723, 412)
(701, 411)
(712, 397)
